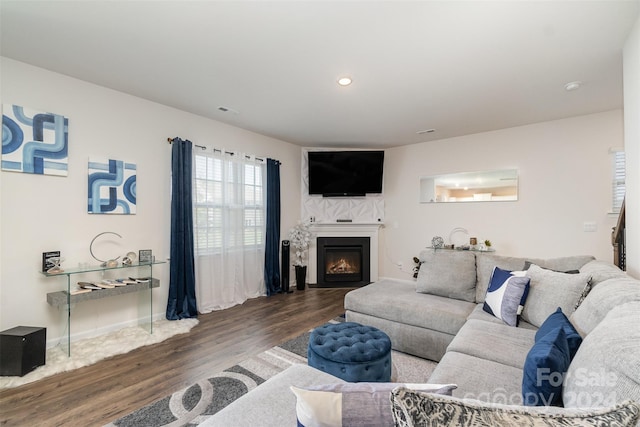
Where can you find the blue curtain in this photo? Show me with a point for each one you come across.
(271, 258)
(182, 284)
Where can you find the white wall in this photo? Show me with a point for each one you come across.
(564, 176)
(42, 213)
(632, 147)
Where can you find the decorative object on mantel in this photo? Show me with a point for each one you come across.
(300, 237)
(108, 263)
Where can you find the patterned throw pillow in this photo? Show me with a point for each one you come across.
(506, 295)
(351, 404)
(414, 408)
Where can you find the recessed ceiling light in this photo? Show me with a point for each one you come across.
(422, 132)
(572, 86)
(344, 81)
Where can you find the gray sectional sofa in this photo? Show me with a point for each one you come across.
(441, 317)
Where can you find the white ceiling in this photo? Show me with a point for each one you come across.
(459, 67)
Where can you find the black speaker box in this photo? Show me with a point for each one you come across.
(22, 349)
(284, 273)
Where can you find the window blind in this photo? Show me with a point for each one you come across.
(229, 203)
(618, 181)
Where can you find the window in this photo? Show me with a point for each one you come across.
(229, 208)
(618, 181)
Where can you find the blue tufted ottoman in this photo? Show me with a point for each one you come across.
(351, 351)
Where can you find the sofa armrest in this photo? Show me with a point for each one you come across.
(271, 403)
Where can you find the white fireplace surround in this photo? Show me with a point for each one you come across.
(346, 229)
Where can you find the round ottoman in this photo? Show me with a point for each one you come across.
(351, 351)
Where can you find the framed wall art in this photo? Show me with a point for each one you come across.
(112, 187)
(34, 142)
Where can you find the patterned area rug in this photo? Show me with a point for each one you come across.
(194, 404)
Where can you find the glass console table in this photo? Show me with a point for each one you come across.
(64, 300)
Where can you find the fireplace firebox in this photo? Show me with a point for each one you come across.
(343, 261)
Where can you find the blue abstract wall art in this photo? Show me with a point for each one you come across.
(112, 187)
(34, 141)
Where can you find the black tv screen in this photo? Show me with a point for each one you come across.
(345, 173)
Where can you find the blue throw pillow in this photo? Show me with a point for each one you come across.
(559, 320)
(506, 295)
(544, 370)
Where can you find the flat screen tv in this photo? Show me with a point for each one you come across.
(345, 173)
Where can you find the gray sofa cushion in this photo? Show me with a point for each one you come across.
(562, 264)
(398, 301)
(491, 341)
(414, 340)
(549, 290)
(601, 271)
(606, 368)
(601, 300)
(271, 403)
(479, 314)
(479, 378)
(486, 262)
(448, 273)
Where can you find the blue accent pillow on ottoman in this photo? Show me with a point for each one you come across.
(544, 370)
(506, 295)
(559, 320)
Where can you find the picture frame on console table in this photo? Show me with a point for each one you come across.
(145, 256)
(47, 261)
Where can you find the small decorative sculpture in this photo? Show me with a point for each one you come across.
(56, 260)
(437, 242)
(129, 258)
(108, 263)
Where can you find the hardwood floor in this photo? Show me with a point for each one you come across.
(100, 393)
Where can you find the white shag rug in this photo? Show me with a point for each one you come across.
(89, 351)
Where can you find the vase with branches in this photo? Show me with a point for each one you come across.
(300, 238)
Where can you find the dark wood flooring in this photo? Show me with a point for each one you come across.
(112, 388)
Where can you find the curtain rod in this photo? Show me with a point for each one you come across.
(196, 145)
(170, 140)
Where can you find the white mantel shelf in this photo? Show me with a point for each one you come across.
(343, 229)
